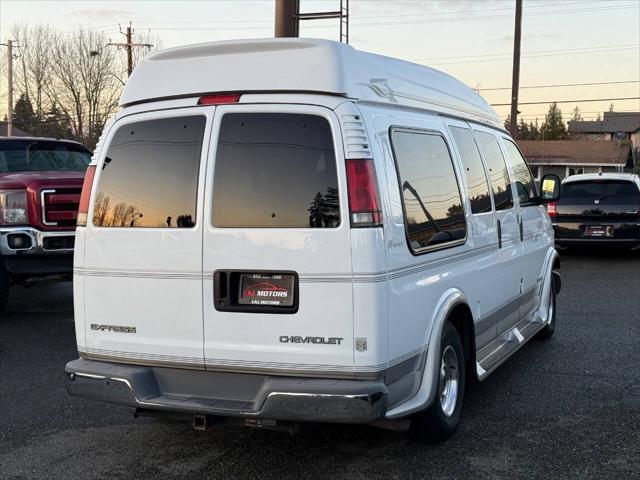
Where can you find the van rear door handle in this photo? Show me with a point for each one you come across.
(499, 234)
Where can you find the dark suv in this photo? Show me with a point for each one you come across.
(597, 209)
(40, 184)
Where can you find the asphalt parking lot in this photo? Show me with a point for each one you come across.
(564, 408)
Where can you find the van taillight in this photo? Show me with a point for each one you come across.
(552, 209)
(85, 196)
(364, 201)
(220, 99)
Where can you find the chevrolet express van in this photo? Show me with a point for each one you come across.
(289, 230)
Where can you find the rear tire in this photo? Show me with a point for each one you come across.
(549, 329)
(440, 420)
(5, 286)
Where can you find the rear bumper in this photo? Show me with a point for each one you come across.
(585, 242)
(228, 394)
(619, 233)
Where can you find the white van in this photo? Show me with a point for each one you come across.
(290, 230)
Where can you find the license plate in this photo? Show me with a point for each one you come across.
(273, 290)
(598, 231)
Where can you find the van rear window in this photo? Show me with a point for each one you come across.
(150, 174)
(591, 190)
(275, 170)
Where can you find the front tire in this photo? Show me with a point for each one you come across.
(440, 420)
(5, 286)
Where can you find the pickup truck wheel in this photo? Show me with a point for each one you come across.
(5, 286)
(440, 420)
(549, 329)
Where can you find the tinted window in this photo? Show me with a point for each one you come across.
(42, 155)
(475, 175)
(275, 170)
(599, 190)
(521, 174)
(498, 173)
(150, 175)
(431, 198)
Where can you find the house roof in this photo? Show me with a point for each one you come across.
(16, 132)
(301, 65)
(612, 122)
(576, 152)
(586, 126)
(621, 121)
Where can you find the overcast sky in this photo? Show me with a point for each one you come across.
(564, 41)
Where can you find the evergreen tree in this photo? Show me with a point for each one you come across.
(523, 130)
(534, 130)
(553, 127)
(507, 123)
(23, 116)
(56, 124)
(576, 114)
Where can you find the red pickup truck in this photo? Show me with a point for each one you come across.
(40, 184)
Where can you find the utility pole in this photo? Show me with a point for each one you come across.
(515, 84)
(287, 18)
(128, 46)
(9, 46)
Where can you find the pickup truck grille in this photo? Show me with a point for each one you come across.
(60, 206)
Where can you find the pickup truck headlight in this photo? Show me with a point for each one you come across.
(13, 207)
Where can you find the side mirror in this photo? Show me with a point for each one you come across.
(550, 191)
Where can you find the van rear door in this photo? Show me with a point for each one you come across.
(142, 265)
(277, 251)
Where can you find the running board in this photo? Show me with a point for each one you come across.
(492, 356)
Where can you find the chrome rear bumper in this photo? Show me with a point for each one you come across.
(228, 394)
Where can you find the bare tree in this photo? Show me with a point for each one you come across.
(34, 64)
(73, 80)
(83, 82)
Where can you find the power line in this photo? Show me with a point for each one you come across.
(464, 18)
(367, 17)
(560, 85)
(502, 9)
(560, 53)
(531, 52)
(494, 17)
(568, 101)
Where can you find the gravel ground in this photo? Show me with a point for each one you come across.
(568, 407)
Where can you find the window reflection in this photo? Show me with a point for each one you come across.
(498, 173)
(522, 176)
(149, 176)
(431, 197)
(475, 175)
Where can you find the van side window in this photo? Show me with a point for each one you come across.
(149, 177)
(477, 184)
(498, 172)
(275, 170)
(522, 175)
(431, 199)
